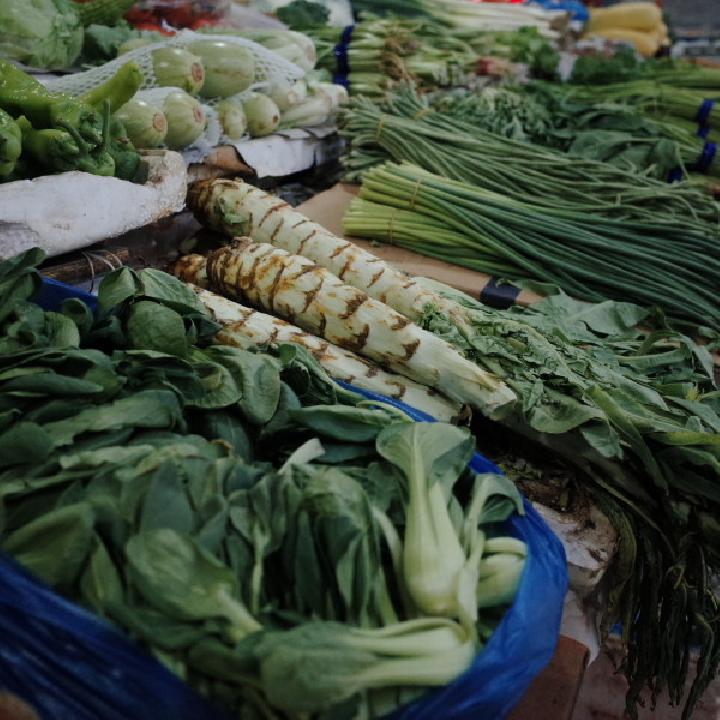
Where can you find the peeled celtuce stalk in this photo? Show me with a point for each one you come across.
(300, 291)
(246, 328)
(239, 209)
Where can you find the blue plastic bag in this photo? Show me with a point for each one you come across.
(71, 665)
(578, 11)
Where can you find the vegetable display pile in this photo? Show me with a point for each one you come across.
(461, 15)
(404, 129)
(612, 132)
(215, 78)
(283, 545)
(43, 132)
(635, 411)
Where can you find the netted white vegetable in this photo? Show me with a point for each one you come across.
(229, 67)
(144, 122)
(336, 94)
(294, 54)
(263, 115)
(314, 111)
(300, 291)
(285, 95)
(185, 119)
(279, 39)
(176, 67)
(232, 118)
(268, 65)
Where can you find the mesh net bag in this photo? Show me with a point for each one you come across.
(269, 66)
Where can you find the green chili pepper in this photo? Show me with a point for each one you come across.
(128, 163)
(21, 94)
(10, 144)
(52, 148)
(117, 90)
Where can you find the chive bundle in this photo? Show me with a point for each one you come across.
(592, 257)
(406, 129)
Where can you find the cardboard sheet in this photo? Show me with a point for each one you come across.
(278, 155)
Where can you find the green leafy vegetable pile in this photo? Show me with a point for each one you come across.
(637, 412)
(303, 14)
(43, 132)
(276, 541)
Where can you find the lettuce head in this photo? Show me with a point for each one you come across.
(43, 34)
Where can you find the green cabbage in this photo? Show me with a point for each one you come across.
(41, 33)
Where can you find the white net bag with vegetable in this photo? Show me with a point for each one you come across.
(231, 65)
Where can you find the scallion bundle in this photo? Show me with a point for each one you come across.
(407, 129)
(589, 256)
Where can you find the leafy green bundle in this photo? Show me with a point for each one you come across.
(405, 128)
(638, 413)
(238, 511)
(593, 258)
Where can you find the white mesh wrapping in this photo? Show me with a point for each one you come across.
(269, 66)
(213, 131)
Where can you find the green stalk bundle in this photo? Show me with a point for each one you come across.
(589, 256)
(406, 129)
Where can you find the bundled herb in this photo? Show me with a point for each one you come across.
(383, 53)
(591, 258)
(406, 129)
(236, 510)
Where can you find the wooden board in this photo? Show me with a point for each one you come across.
(554, 693)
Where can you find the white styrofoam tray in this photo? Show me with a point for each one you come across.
(73, 210)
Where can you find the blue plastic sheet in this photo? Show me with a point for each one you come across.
(71, 665)
(578, 11)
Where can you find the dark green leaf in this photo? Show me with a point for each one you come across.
(100, 584)
(79, 313)
(169, 290)
(166, 504)
(257, 375)
(54, 546)
(25, 443)
(148, 409)
(152, 326)
(223, 425)
(117, 287)
(343, 423)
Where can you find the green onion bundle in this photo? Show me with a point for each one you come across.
(383, 53)
(406, 129)
(661, 99)
(589, 256)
